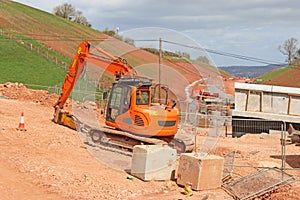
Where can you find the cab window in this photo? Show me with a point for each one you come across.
(142, 97)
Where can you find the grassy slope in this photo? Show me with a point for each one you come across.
(53, 34)
(19, 64)
(286, 76)
(271, 74)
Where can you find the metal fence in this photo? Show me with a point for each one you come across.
(38, 50)
(254, 126)
(57, 90)
(258, 183)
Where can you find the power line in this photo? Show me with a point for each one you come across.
(221, 53)
(237, 56)
(75, 39)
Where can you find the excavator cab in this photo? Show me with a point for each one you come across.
(131, 108)
(119, 101)
(126, 94)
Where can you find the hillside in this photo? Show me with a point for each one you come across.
(55, 41)
(249, 71)
(38, 50)
(20, 64)
(59, 38)
(55, 32)
(284, 76)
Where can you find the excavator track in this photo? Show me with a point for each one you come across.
(108, 137)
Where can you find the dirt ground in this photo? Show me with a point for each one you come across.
(49, 161)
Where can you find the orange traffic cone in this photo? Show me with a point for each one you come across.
(21, 124)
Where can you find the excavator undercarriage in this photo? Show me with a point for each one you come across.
(114, 138)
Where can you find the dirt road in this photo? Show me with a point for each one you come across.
(49, 161)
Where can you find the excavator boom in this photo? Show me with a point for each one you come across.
(109, 63)
(75, 70)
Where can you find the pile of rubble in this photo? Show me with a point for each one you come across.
(20, 92)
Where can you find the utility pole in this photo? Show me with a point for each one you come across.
(159, 66)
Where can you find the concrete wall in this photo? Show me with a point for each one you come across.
(267, 99)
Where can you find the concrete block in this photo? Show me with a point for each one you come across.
(276, 132)
(153, 162)
(203, 173)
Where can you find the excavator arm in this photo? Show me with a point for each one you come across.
(74, 72)
(115, 66)
(106, 61)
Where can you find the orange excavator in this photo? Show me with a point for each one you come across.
(133, 114)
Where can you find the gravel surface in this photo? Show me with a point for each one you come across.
(49, 161)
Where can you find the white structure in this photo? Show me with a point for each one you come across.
(267, 102)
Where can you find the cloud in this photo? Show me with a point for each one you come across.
(182, 15)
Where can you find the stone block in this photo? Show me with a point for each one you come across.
(153, 162)
(204, 173)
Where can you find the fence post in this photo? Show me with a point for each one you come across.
(283, 145)
(32, 47)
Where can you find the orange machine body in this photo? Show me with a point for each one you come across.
(130, 105)
(131, 108)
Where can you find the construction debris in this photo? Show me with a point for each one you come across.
(258, 183)
(228, 165)
(20, 92)
(294, 135)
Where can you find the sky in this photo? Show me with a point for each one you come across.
(253, 28)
